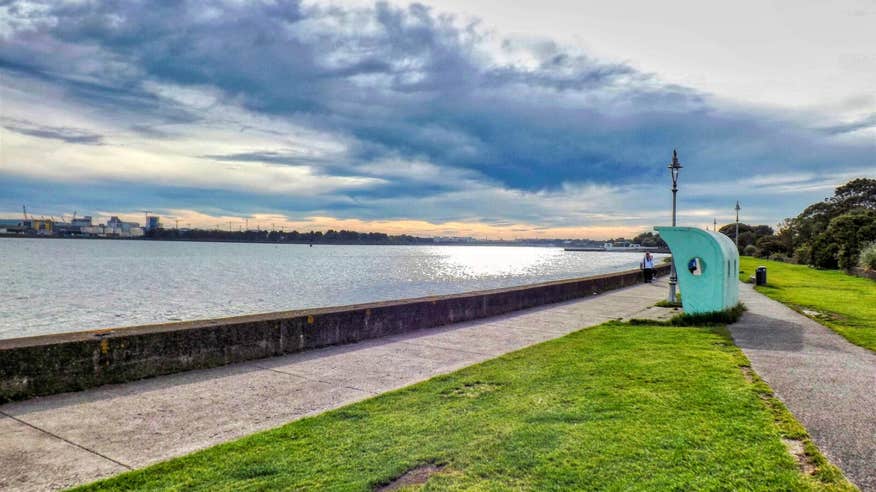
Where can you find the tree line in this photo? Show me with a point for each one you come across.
(313, 237)
(647, 239)
(831, 234)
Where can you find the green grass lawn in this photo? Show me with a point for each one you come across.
(846, 304)
(614, 407)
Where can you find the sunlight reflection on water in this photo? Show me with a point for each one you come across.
(51, 286)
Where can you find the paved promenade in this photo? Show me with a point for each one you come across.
(826, 382)
(63, 440)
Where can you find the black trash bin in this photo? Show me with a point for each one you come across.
(760, 276)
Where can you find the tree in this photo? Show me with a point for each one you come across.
(649, 239)
(769, 245)
(748, 235)
(785, 234)
(824, 253)
(762, 230)
(851, 232)
(812, 221)
(820, 237)
(857, 193)
(729, 230)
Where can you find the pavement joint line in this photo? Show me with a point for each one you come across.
(374, 393)
(282, 372)
(448, 348)
(546, 331)
(300, 376)
(56, 436)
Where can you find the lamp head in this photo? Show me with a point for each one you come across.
(674, 166)
(737, 206)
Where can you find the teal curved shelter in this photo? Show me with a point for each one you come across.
(707, 265)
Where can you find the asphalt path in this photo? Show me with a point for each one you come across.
(828, 383)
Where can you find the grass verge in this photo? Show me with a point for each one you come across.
(715, 318)
(613, 407)
(666, 304)
(843, 303)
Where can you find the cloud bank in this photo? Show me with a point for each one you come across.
(378, 113)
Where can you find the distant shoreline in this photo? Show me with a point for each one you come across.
(619, 250)
(317, 243)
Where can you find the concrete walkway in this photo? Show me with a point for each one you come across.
(825, 381)
(63, 440)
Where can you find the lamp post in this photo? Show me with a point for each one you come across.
(674, 167)
(737, 224)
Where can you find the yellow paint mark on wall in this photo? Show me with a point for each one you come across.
(310, 320)
(104, 346)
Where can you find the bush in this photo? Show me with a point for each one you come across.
(750, 250)
(767, 246)
(779, 257)
(803, 254)
(824, 253)
(868, 257)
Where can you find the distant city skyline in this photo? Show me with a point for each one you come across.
(550, 119)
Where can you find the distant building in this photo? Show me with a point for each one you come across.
(453, 239)
(152, 223)
(123, 229)
(64, 228)
(114, 222)
(624, 245)
(41, 226)
(74, 227)
(12, 226)
(82, 222)
(116, 227)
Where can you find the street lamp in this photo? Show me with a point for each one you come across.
(737, 224)
(674, 167)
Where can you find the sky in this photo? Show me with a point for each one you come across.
(476, 118)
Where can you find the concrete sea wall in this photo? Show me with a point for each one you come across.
(45, 365)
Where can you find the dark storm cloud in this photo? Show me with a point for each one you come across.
(862, 124)
(64, 134)
(401, 186)
(272, 157)
(125, 100)
(411, 84)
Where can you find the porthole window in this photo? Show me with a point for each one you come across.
(696, 266)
